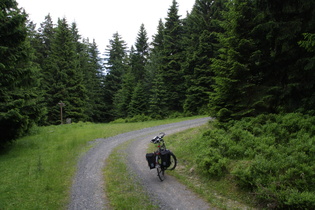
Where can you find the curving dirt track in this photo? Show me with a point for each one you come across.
(87, 191)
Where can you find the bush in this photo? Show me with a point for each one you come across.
(212, 162)
(272, 155)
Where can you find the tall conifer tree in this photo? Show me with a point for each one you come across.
(172, 59)
(93, 74)
(237, 91)
(20, 99)
(66, 79)
(46, 33)
(116, 66)
(140, 55)
(158, 107)
(138, 103)
(201, 45)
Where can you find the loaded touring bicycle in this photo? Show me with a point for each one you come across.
(162, 159)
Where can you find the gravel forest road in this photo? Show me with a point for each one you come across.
(87, 190)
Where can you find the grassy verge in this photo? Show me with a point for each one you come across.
(221, 192)
(37, 171)
(122, 188)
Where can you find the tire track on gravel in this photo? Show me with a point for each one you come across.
(87, 190)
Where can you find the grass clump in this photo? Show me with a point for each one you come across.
(122, 188)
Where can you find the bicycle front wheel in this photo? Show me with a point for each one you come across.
(160, 172)
(173, 162)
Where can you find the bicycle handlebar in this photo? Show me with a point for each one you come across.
(158, 138)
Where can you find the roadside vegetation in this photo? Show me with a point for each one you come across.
(266, 161)
(221, 192)
(37, 170)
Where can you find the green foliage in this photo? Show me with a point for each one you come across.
(123, 96)
(261, 68)
(201, 45)
(138, 102)
(270, 155)
(64, 78)
(172, 57)
(221, 192)
(309, 42)
(212, 162)
(93, 77)
(116, 67)
(20, 97)
(140, 57)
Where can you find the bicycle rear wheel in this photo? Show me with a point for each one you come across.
(160, 172)
(173, 162)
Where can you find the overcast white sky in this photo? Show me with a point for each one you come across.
(100, 19)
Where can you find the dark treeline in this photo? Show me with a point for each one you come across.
(227, 58)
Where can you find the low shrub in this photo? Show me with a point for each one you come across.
(272, 156)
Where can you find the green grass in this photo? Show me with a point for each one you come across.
(37, 171)
(122, 188)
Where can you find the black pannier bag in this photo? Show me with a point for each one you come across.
(166, 158)
(151, 160)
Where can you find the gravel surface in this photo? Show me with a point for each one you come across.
(87, 190)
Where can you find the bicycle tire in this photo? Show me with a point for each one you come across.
(161, 174)
(173, 162)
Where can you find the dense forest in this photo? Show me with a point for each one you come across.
(227, 58)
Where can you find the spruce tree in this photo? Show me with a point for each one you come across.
(138, 103)
(123, 96)
(116, 66)
(141, 55)
(237, 92)
(201, 45)
(172, 60)
(156, 61)
(94, 76)
(66, 79)
(158, 38)
(20, 99)
(45, 37)
(138, 62)
(158, 107)
(46, 33)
